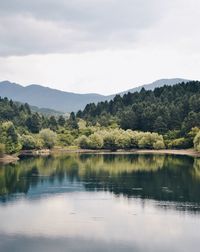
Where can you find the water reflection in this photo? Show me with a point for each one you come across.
(120, 203)
(159, 177)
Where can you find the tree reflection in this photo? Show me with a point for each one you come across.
(164, 178)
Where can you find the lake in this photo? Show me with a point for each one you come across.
(94, 202)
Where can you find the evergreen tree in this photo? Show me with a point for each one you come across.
(33, 123)
(61, 120)
(72, 122)
(53, 125)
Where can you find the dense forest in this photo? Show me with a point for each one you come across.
(19, 126)
(161, 110)
(168, 117)
(22, 117)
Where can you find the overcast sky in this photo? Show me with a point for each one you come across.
(102, 46)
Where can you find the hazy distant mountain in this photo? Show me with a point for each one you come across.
(44, 97)
(44, 111)
(155, 84)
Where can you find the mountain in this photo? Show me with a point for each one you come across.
(46, 111)
(155, 84)
(43, 111)
(44, 97)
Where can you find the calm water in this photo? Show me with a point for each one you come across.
(83, 203)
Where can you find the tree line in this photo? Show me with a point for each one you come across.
(168, 117)
(162, 110)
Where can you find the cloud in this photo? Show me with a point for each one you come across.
(65, 26)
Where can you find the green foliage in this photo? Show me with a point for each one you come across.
(33, 123)
(65, 139)
(48, 137)
(83, 142)
(53, 125)
(159, 125)
(9, 137)
(128, 120)
(95, 141)
(172, 134)
(194, 131)
(72, 121)
(61, 121)
(192, 120)
(159, 145)
(150, 141)
(173, 111)
(164, 109)
(30, 142)
(22, 117)
(121, 139)
(2, 150)
(110, 141)
(197, 142)
(179, 143)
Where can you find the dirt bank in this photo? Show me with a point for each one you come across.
(189, 152)
(8, 159)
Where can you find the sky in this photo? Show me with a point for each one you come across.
(98, 46)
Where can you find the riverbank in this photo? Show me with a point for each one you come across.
(8, 159)
(58, 150)
(188, 152)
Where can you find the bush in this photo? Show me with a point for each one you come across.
(95, 141)
(48, 137)
(2, 150)
(159, 145)
(197, 142)
(109, 141)
(65, 139)
(150, 140)
(28, 142)
(123, 140)
(83, 142)
(10, 138)
(113, 139)
(134, 137)
(179, 143)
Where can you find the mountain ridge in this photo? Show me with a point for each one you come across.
(46, 97)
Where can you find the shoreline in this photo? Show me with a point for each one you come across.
(187, 152)
(6, 159)
(13, 158)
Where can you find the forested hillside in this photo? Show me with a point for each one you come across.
(23, 118)
(168, 117)
(164, 109)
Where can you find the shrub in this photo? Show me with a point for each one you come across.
(48, 137)
(123, 140)
(65, 139)
(10, 138)
(114, 139)
(109, 141)
(83, 142)
(134, 137)
(95, 141)
(179, 143)
(197, 142)
(2, 150)
(159, 145)
(148, 140)
(28, 142)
